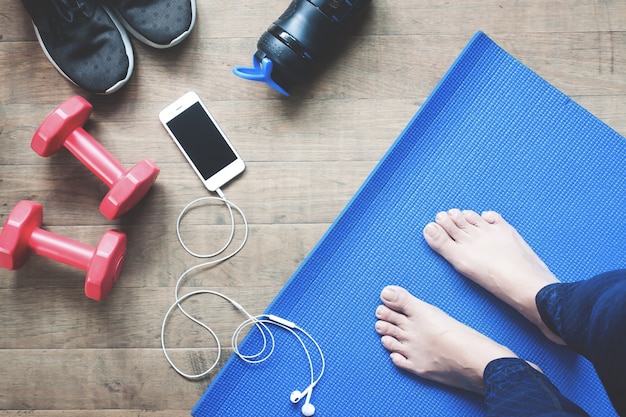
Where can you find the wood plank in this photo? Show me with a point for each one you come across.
(61, 319)
(580, 63)
(270, 256)
(273, 192)
(86, 379)
(249, 19)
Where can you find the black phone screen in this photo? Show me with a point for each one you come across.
(202, 141)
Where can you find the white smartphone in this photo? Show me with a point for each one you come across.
(200, 139)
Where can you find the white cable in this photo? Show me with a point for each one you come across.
(230, 205)
(260, 322)
(214, 262)
(277, 321)
(178, 300)
(208, 329)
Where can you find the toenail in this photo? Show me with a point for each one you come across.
(431, 230)
(389, 294)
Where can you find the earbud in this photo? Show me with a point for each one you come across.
(296, 396)
(308, 409)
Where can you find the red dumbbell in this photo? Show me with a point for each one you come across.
(22, 234)
(63, 127)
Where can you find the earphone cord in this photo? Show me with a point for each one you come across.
(260, 322)
(264, 319)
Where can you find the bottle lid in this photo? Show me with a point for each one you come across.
(260, 71)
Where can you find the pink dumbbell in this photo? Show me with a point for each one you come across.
(63, 127)
(22, 234)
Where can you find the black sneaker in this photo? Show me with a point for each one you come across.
(158, 23)
(84, 41)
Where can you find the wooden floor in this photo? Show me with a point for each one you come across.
(62, 354)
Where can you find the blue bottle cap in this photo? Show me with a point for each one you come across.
(260, 71)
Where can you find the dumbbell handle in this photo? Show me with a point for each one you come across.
(61, 249)
(94, 156)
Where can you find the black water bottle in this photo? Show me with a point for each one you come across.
(299, 41)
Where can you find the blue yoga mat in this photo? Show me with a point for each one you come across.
(492, 135)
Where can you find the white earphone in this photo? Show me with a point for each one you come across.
(261, 322)
(308, 409)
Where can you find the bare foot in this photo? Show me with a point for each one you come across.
(490, 252)
(426, 341)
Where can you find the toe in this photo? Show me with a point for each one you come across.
(384, 328)
(438, 239)
(492, 217)
(386, 314)
(473, 218)
(391, 343)
(399, 360)
(453, 223)
(458, 218)
(399, 300)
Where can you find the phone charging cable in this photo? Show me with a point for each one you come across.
(178, 299)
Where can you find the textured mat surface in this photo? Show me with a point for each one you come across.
(492, 136)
